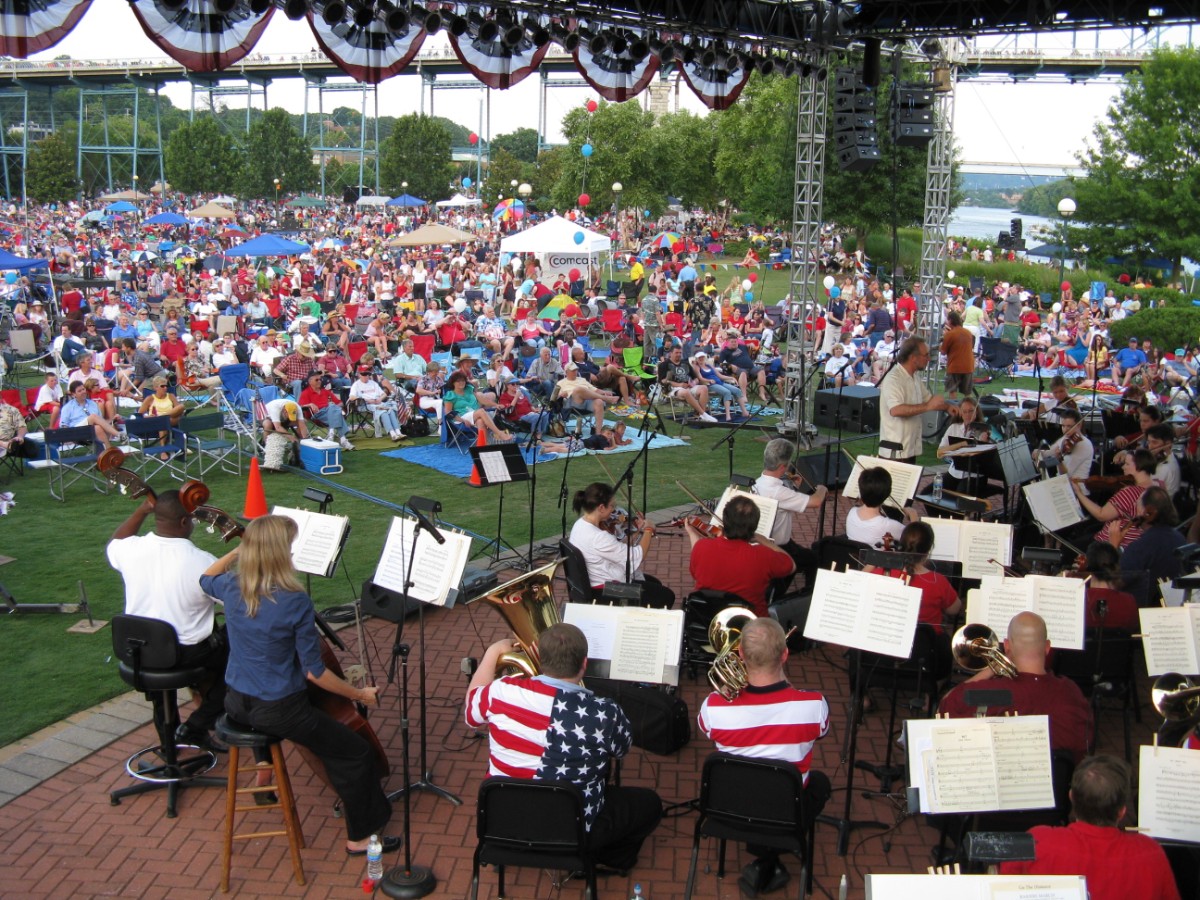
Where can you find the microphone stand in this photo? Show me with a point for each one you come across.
(627, 477)
(533, 445)
(837, 415)
(730, 437)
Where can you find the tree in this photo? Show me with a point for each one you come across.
(50, 169)
(1042, 199)
(1141, 193)
(504, 169)
(274, 149)
(621, 152)
(416, 151)
(202, 157)
(522, 143)
(679, 139)
(755, 158)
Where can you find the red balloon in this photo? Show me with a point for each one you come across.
(1066, 285)
(571, 311)
(592, 106)
(573, 275)
(472, 138)
(752, 278)
(584, 199)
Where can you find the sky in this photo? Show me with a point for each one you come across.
(1030, 124)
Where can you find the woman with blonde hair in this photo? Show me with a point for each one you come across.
(274, 653)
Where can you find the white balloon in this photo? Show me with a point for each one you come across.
(828, 282)
(1057, 307)
(459, 304)
(747, 284)
(950, 274)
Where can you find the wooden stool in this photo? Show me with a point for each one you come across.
(237, 736)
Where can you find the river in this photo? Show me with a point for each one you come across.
(986, 222)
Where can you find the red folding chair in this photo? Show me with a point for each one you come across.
(355, 351)
(613, 321)
(423, 346)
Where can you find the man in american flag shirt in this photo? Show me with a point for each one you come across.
(770, 719)
(551, 728)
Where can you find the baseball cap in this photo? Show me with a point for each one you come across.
(571, 366)
(364, 370)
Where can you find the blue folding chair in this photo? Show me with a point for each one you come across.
(457, 434)
(157, 439)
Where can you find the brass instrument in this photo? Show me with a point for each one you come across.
(976, 646)
(727, 673)
(527, 604)
(1176, 697)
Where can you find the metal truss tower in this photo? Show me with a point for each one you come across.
(345, 153)
(120, 157)
(14, 139)
(807, 211)
(207, 88)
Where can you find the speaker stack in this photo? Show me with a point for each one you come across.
(855, 138)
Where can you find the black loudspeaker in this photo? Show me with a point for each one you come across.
(350, 195)
(859, 410)
(386, 603)
(812, 467)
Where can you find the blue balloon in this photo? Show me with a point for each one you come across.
(749, 296)
(835, 292)
(579, 237)
(646, 213)
(467, 182)
(586, 149)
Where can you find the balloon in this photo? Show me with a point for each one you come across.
(571, 311)
(834, 293)
(579, 237)
(1066, 285)
(747, 284)
(585, 199)
(467, 182)
(646, 213)
(752, 277)
(459, 304)
(828, 282)
(586, 150)
(592, 106)
(527, 287)
(749, 296)
(472, 139)
(950, 274)
(573, 275)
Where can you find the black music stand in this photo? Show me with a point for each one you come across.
(830, 469)
(500, 464)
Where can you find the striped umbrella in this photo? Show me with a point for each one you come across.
(509, 209)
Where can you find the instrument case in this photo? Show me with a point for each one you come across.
(661, 723)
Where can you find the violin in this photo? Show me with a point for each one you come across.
(706, 529)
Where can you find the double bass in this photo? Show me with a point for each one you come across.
(194, 495)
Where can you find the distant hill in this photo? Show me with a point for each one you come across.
(1009, 191)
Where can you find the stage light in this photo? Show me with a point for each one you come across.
(688, 54)
(393, 18)
(362, 15)
(789, 68)
(224, 7)
(430, 20)
(618, 43)
(668, 53)
(333, 12)
(458, 25)
(489, 31)
(537, 32)
(766, 65)
(598, 43)
(295, 9)
(258, 7)
(708, 58)
(639, 49)
(512, 36)
(317, 495)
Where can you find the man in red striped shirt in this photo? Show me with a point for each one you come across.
(551, 728)
(770, 719)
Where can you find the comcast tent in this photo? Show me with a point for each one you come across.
(557, 243)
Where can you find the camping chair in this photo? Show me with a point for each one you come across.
(612, 322)
(157, 437)
(423, 346)
(209, 452)
(997, 357)
(70, 455)
(457, 433)
(632, 359)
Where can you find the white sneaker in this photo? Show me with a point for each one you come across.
(345, 444)
(705, 417)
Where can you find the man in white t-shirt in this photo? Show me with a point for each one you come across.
(162, 573)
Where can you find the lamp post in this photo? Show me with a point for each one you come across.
(617, 187)
(278, 185)
(525, 190)
(1066, 209)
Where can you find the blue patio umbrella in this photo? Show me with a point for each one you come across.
(268, 245)
(120, 206)
(166, 218)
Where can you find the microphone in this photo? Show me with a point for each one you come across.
(415, 504)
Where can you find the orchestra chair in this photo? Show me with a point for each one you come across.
(754, 801)
(1104, 670)
(839, 550)
(540, 824)
(242, 737)
(579, 586)
(699, 608)
(148, 653)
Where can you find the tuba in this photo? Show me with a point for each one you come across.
(1176, 697)
(727, 673)
(976, 646)
(527, 604)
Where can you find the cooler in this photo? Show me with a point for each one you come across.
(321, 457)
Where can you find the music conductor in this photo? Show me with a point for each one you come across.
(903, 400)
(550, 727)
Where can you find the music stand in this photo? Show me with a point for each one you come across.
(830, 469)
(499, 464)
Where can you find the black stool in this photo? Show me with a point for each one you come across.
(148, 654)
(237, 736)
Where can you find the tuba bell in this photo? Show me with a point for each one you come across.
(976, 646)
(527, 604)
(1176, 697)
(727, 673)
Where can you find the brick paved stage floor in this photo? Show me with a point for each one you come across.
(62, 838)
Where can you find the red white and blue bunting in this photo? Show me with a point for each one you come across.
(198, 35)
(496, 65)
(717, 88)
(615, 78)
(31, 26)
(369, 54)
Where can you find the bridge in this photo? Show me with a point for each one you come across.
(1047, 170)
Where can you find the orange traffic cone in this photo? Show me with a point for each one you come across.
(256, 497)
(480, 441)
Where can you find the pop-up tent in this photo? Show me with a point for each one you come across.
(556, 235)
(459, 200)
(20, 263)
(407, 200)
(431, 235)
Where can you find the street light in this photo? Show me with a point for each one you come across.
(617, 187)
(513, 184)
(1066, 209)
(278, 185)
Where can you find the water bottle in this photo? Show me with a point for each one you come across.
(375, 859)
(937, 487)
(637, 892)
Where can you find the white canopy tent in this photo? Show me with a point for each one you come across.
(458, 200)
(372, 200)
(556, 235)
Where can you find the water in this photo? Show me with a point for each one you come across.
(986, 223)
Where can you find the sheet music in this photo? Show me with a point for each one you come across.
(639, 644)
(975, 887)
(318, 539)
(905, 478)
(495, 470)
(980, 765)
(979, 542)
(864, 611)
(1059, 601)
(436, 568)
(1169, 793)
(768, 508)
(1053, 503)
(1169, 639)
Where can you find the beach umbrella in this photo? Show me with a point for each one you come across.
(507, 210)
(166, 218)
(330, 243)
(138, 256)
(120, 206)
(95, 215)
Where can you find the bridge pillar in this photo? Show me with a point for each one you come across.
(14, 155)
(347, 150)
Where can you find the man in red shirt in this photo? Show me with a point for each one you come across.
(1118, 865)
(732, 563)
(959, 346)
(906, 311)
(172, 351)
(324, 406)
